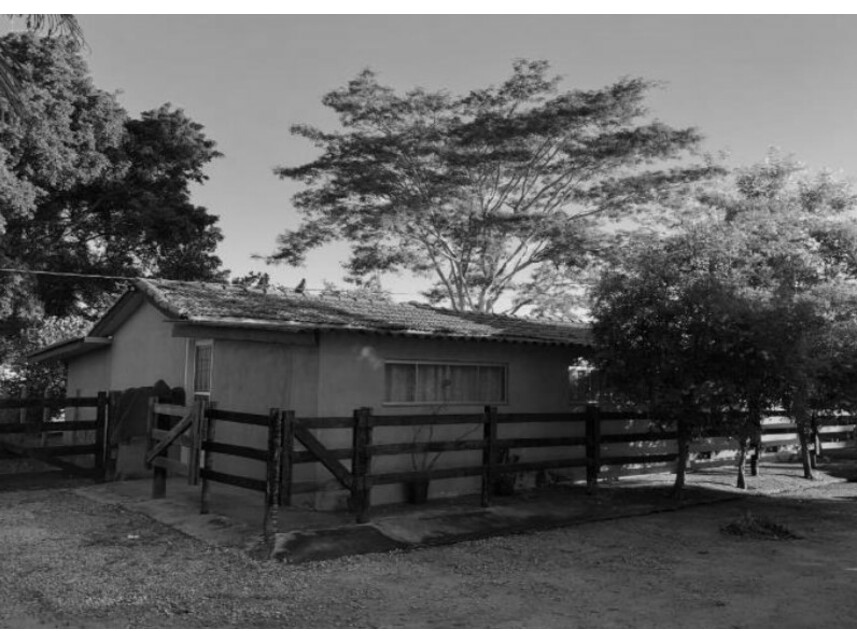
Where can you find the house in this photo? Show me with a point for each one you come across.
(250, 350)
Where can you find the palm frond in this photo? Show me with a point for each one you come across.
(50, 25)
(10, 88)
(62, 24)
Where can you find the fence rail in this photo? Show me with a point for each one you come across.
(50, 403)
(42, 431)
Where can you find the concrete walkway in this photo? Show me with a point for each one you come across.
(307, 535)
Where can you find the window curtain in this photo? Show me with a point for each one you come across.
(401, 383)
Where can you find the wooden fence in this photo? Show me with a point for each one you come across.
(292, 441)
(33, 438)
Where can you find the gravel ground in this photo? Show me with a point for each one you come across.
(69, 562)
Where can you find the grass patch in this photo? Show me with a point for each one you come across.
(758, 527)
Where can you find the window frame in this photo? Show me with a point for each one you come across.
(209, 343)
(421, 362)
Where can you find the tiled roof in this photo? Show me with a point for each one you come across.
(231, 305)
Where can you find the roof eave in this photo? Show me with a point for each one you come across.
(68, 348)
(295, 328)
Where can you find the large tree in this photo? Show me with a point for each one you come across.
(751, 305)
(477, 192)
(87, 189)
(670, 334)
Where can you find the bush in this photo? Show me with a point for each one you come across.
(759, 527)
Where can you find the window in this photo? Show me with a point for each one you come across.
(432, 382)
(583, 384)
(202, 370)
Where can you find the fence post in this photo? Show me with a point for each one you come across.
(593, 446)
(196, 435)
(159, 474)
(111, 451)
(274, 471)
(22, 412)
(489, 454)
(207, 463)
(101, 420)
(288, 447)
(44, 418)
(361, 440)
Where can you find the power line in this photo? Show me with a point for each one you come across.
(81, 275)
(77, 275)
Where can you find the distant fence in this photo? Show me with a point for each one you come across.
(293, 441)
(828, 433)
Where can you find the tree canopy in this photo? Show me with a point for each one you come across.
(478, 191)
(753, 304)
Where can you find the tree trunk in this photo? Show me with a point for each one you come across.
(755, 418)
(802, 420)
(757, 454)
(804, 452)
(683, 439)
(816, 441)
(742, 459)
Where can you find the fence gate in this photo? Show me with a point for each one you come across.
(187, 432)
(38, 435)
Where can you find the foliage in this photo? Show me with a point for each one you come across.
(758, 527)
(86, 189)
(752, 305)
(370, 288)
(659, 322)
(479, 191)
(39, 379)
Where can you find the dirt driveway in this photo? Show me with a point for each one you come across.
(66, 561)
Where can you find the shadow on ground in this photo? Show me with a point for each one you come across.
(306, 535)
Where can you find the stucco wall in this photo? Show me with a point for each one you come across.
(144, 351)
(87, 375)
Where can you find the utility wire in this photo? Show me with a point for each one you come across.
(80, 275)
(66, 274)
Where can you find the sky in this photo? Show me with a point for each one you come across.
(747, 82)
